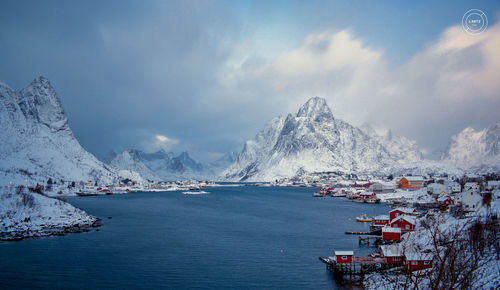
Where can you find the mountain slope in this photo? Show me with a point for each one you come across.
(473, 150)
(37, 142)
(310, 140)
(163, 166)
(401, 149)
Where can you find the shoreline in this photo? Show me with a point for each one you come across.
(20, 235)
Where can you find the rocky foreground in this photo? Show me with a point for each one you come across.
(26, 214)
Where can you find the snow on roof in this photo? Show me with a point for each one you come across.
(386, 183)
(470, 183)
(404, 209)
(436, 185)
(444, 197)
(411, 219)
(366, 193)
(493, 182)
(416, 256)
(414, 178)
(381, 217)
(391, 250)
(451, 183)
(344, 253)
(391, 230)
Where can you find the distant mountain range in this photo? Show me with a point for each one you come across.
(166, 166)
(475, 151)
(37, 141)
(37, 144)
(313, 140)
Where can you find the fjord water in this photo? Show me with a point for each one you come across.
(234, 237)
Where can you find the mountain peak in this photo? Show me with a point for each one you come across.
(41, 80)
(39, 101)
(316, 108)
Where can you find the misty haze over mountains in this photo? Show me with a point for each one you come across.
(39, 144)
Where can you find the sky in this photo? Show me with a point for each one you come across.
(205, 76)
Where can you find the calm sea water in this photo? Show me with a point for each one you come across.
(236, 238)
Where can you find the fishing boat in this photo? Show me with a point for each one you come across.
(339, 193)
(372, 200)
(364, 218)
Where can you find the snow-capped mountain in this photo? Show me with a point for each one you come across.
(37, 141)
(475, 150)
(218, 166)
(401, 148)
(313, 140)
(165, 166)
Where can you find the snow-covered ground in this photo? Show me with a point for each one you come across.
(420, 196)
(449, 240)
(25, 214)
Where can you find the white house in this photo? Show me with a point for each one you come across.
(496, 194)
(493, 184)
(471, 186)
(436, 188)
(453, 186)
(470, 200)
(383, 185)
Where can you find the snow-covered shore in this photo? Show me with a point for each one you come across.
(465, 251)
(25, 214)
(407, 196)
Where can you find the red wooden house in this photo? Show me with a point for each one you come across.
(418, 261)
(393, 254)
(367, 195)
(391, 234)
(381, 220)
(402, 211)
(411, 182)
(344, 257)
(405, 222)
(446, 200)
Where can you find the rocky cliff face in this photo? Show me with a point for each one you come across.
(475, 150)
(37, 141)
(313, 140)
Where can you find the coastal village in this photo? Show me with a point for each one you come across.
(403, 239)
(405, 245)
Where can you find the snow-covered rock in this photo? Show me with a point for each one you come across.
(476, 151)
(25, 214)
(312, 140)
(37, 141)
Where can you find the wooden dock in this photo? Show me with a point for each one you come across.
(359, 267)
(374, 233)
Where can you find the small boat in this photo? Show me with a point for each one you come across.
(372, 200)
(363, 218)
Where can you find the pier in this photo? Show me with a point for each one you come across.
(366, 239)
(359, 266)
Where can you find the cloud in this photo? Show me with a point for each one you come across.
(450, 84)
(158, 142)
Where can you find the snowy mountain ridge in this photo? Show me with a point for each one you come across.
(475, 150)
(37, 141)
(313, 140)
(166, 166)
